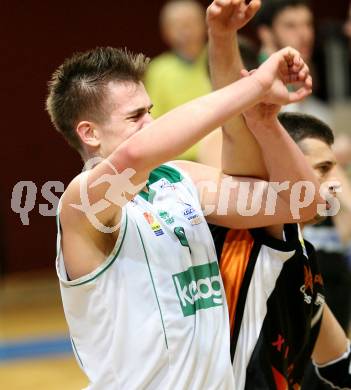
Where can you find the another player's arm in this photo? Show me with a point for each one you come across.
(224, 19)
(331, 354)
(219, 196)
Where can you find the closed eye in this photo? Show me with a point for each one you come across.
(139, 113)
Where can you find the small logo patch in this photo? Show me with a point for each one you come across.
(154, 224)
(191, 214)
(166, 184)
(166, 217)
(198, 288)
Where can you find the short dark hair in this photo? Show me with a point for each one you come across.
(270, 9)
(302, 126)
(78, 87)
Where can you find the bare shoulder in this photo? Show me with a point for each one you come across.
(85, 243)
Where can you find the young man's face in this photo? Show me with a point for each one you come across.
(130, 112)
(322, 160)
(293, 26)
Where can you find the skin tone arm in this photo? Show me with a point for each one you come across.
(331, 342)
(224, 19)
(292, 167)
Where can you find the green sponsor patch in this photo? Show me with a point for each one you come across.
(198, 288)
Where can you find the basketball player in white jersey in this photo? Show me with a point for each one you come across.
(139, 278)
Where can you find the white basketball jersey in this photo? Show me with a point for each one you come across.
(153, 315)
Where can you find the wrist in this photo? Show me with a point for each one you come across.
(267, 122)
(265, 82)
(263, 85)
(219, 35)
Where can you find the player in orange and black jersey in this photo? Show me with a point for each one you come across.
(275, 298)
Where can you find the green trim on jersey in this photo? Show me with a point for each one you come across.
(109, 264)
(76, 352)
(153, 285)
(165, 172)
(161, 172)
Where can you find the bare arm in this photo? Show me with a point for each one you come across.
(287, 167)
(224, 18)
(332, 341)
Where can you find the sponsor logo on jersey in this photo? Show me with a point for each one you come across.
(164, 183)
(154, 224)
(198, 288)
(191, 214)
(307, 298)
(166, 217)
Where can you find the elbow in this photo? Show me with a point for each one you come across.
(129, 155)
(306, 214)
(307, 210)
(305, 201)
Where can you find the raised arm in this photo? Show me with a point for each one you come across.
(233, 203)
(224, 19)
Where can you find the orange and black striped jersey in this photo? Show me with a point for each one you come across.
(275, 299)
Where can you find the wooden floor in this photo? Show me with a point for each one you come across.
(30, 309)
(36, 374)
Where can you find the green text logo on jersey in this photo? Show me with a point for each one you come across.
(198, 288)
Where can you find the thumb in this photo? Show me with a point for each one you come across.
(299, 95)
(244, 73)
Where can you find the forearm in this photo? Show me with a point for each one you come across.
(225, 66)
(224, 58)
(284, 161)
(331, 342)
(176, 131)
(332, 355)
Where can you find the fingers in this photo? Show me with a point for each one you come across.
(300, 94)
(252, 8)
(234, 9)
(213, 10)
(293, 68)
(219, 11)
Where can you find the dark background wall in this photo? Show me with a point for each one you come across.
(35, 38)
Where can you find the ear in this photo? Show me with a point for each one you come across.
(266, 37)
(88, 134)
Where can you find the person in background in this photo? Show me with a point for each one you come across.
(290, 22)
(180, 74)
